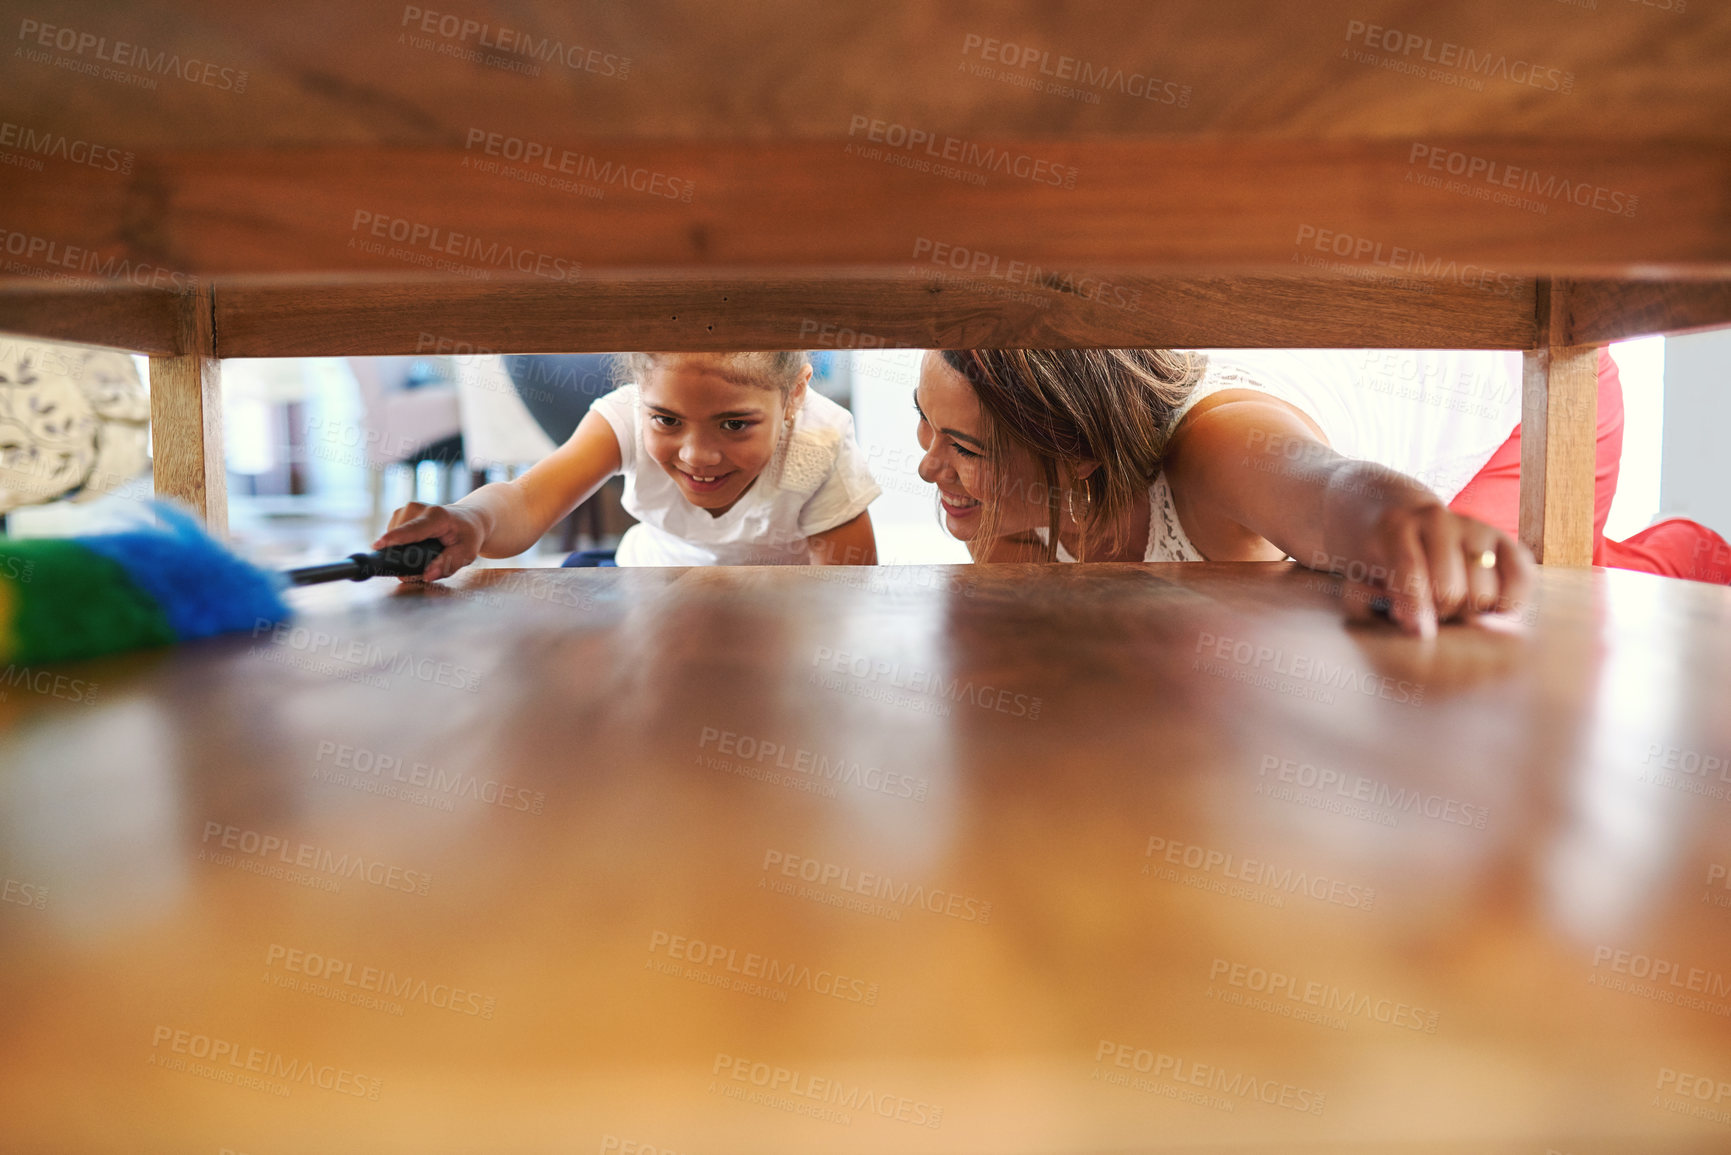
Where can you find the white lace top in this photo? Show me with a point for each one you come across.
(1167, 540)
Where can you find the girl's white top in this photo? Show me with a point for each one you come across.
(816, 481)
(1434, 415)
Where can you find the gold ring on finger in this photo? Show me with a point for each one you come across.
(1488, 559)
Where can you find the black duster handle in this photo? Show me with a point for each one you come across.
(393, 561)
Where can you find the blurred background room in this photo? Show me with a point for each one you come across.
(321, 450)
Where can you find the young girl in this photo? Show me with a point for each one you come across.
(1156, 455)
(728, 460)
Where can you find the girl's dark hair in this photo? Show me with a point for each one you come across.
(778, 370)
(1071, 406)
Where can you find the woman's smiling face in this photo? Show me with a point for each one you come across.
(953, 435)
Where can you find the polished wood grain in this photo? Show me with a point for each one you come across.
(574, 764)
(117, 316)
(1559, 418)
(1156, 205)
(926, 305)
(1559, 433)
(1005, 305)
(187, 458)
(1603, 311)
(698, 138)
(348, 71)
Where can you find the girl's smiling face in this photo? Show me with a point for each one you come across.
(712, 433)
(953, 434)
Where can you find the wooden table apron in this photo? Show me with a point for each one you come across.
(916, 859)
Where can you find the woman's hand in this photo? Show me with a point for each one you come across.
(462, 530)
(1405, 551)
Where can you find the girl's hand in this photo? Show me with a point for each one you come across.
(1425, 564)
(461, 529)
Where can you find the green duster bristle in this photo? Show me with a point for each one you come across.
(147, 586)
(65, 601)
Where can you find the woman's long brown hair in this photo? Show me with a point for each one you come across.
(1071, 406)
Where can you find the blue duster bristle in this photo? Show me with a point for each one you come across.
(203, 589)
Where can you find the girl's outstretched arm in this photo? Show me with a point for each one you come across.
(1254, 480)
(505, 518)
(851, 543)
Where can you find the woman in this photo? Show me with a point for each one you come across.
(1156, 455)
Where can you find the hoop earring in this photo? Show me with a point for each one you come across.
(1087, 504)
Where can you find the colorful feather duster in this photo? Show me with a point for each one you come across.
(65, 598)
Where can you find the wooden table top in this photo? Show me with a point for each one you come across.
(1019, 859)
(543, 176)
(555, 142)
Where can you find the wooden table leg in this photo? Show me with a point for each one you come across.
(1559, 429)
(186, 416)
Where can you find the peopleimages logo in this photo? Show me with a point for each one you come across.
(361, 657)
(1716, 872)
(24, 893)
(977, 263)
(376, 980)
(893, 676)
(1692, 980)
(1400, 375)
(129, 55)
(47, 256)
(57, 145)
(1690, 1094)
(1485, 65)
(757, 753)
(956, 150)
(837, 1094)
(780, 973)
(1329, 997)
(1350, 788)
(304, 854)
(555, 162)
(1690, 771)
(1234, 1086)
(47, 683)
(1691, 762)
(439, 242)
(1105, 78)
(1256, 872)
(876, 885)
(1300, 668)
(262, 1063)
(458, 31)
(1369, 254)
(1499, 175)
(360, 760)
(1703, 1087)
